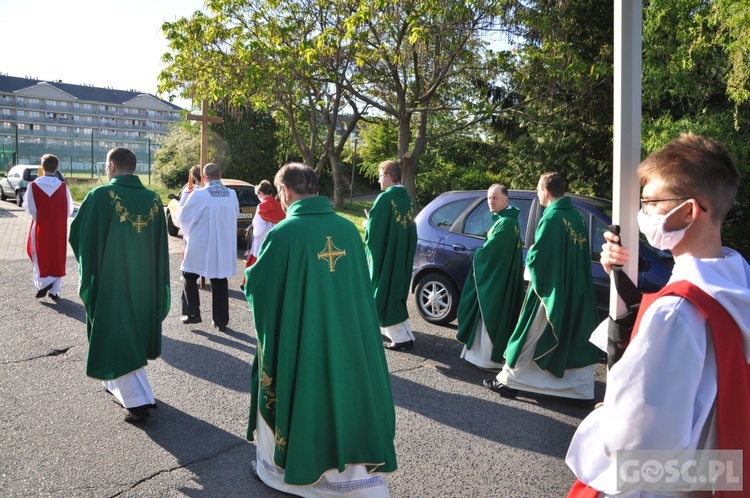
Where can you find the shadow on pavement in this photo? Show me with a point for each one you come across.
(209, 364)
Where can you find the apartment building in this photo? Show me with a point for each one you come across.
(78, 123)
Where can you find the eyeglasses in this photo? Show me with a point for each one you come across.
(654, 201)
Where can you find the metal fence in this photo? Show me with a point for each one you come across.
(77, 154)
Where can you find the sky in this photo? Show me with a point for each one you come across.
(105, 43)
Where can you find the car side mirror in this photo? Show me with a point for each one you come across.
(172, 196)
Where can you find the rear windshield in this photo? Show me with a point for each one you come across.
(246, 196)
(30, 174)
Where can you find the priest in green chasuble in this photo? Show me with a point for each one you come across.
(321, 411)
(549, 351)
(119, 238)
(493, 293)
(391, 241)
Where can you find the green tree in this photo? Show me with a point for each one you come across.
(251, 139)
(561, 78)
(279, 55)
(178, 151)
(417, 60)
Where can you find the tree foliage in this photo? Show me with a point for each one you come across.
(178, 151)
(251, 141)
(310, 60)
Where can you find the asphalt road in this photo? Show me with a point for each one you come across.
(61, 435)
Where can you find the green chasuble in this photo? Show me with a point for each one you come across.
(493, 291)
(560, 266)
(391, 241)
(119, 238)
(319, 375)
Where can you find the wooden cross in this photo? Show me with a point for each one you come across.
(204, 120)
(331, 255)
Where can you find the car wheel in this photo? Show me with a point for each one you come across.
(437, 299)
(19, 199)
(3, 197)
(171, 229)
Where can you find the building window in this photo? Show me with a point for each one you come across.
(34, 114)
(88, 106)
(52, 103)
(33, 101)
(51, 128)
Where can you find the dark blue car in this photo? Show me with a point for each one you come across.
(454, 224)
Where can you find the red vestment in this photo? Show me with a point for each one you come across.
(733, 379)
(49, 230)
(270, 210)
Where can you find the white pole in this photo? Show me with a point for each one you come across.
(627, 134)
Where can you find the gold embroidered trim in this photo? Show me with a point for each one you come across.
(402, 219)
(136, 220)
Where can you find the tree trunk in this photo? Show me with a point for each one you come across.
(408, 165)
(339, 182)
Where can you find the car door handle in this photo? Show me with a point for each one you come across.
(459, 247)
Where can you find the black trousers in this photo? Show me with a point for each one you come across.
(191, 301)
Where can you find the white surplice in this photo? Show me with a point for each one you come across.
(354, 482)
(661, 393)
(131, 390)
(261, 227)
(398, 333)
(209, 225)
(576, 383)
(481, 350)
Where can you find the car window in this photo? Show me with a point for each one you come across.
(246, 196)
(30, 174)
(444, 216)
(597, 238)
(479, 220)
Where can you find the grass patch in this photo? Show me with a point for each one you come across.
(355, 213)
(82, 184)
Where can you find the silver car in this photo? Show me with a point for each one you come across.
(15, 183)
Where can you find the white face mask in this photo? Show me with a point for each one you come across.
(652, 226)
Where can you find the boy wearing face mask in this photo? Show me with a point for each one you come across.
(683, 383)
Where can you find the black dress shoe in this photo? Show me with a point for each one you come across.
(220, 328)
(137, 413)
(188, 319)
(54, 297)
(254, 470)
(495, 386)
(42, 292)
(398, 346)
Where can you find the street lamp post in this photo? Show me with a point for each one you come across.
(354, 165)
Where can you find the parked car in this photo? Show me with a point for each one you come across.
(455, 224)
(245, 195)
(15, 183)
